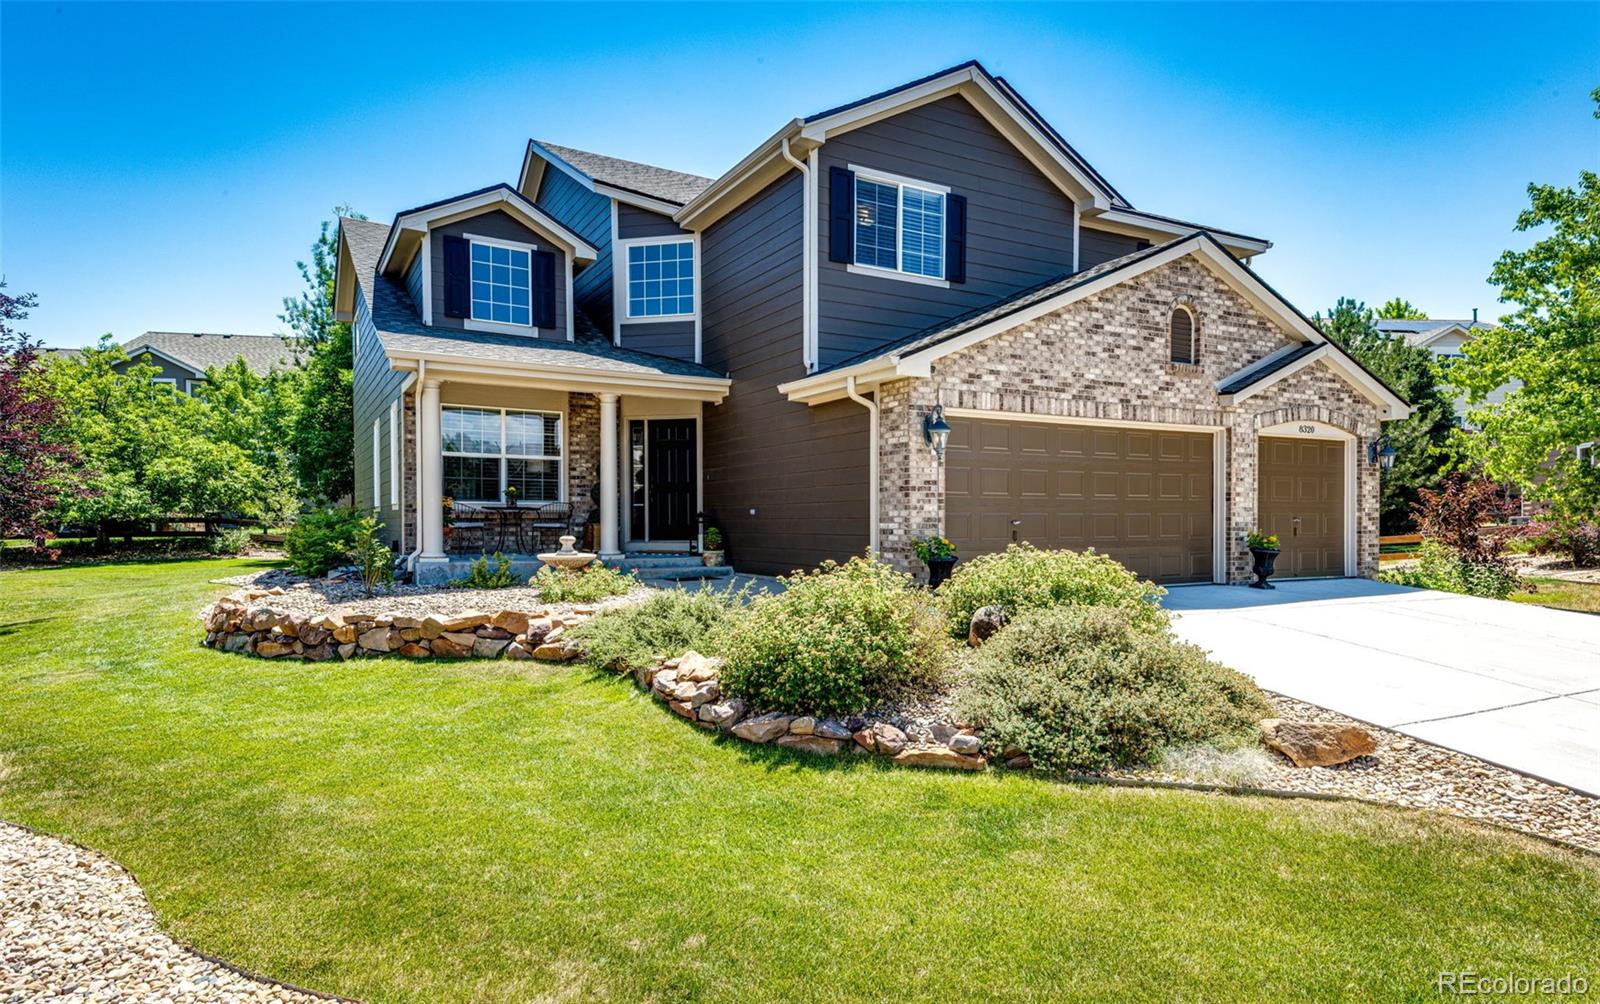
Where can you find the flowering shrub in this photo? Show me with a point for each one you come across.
(586, 585)
(1024, 578)
(933, 548)
(1261, 540)
(836, 640)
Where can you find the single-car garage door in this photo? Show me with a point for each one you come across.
(1142, 496)
(1300, 497)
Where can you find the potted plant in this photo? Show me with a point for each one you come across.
(1264, 549)
(713, 547)
(449, 516)
(939, 555)
(511, 495)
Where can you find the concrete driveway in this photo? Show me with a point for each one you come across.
(1513, 684)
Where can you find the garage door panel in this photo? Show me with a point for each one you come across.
(1300, 497)
(1143, 496)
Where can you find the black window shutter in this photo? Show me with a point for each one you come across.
(544, 289)
(457, 277)
(955, 238)
(841, 215)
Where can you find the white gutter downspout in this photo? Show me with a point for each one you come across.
(400, 510)
(416, 474)
(872, 460)
(808, 261)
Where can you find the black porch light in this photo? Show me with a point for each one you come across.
(936, 431)
(1380, 451)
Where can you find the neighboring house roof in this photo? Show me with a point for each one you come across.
(676, 187)
(403, 334)
(914, 354)
(201, 350)
(1425, 332)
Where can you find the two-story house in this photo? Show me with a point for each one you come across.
(920, 312)
(184, 356)
(1446, 340)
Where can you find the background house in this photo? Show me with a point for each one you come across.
(184, 356)
(1444, 337)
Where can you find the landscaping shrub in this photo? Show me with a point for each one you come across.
(371, 555)
(586, 585)
(1440, 568)
(229, 540)
(1099, 687)
(481, 576)
(836, 641)
(665, 626)
(1024, 578)
(322, 540)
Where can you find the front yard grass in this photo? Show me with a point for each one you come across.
(1562, 594)
(500, 831)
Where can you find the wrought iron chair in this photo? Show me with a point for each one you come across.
(469, 528)
(550, 520)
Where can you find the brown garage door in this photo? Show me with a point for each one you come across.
(1141, 496)
(1300, 495)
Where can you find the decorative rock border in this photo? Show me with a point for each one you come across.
(246, 622)
(689, 685)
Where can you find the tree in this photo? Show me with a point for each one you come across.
(323, 433)
(36, 460)
(1401, 310)
(1423, 443)
(1550, 343)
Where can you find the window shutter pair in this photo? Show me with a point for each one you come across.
(458, 282)
(842, 231)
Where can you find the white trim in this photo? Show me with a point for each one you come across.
(1219, 483)
(189, 385)
(1133, 223)
(169, 381)
(500, 327)
(513, 201)
(1194, 336)
(635, 199)
(1077, 234)
(1324, 431)
(699, 279)
(522, 175)
(900, 183)
(808, 252)
(394, 453)
(426, 250)
(134, 353)
(618, 277)
(562, 464)
(377, 458)
(553, 377)
(621, 286)
(892, 273)
(873, 506)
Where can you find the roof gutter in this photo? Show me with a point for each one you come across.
(808, 261)
(872, 460)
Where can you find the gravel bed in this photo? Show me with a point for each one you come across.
(75, 926)
(1554, 566)
(320, 596)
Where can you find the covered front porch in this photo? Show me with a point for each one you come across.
(509, 459)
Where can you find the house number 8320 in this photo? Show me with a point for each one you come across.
(1308, 430)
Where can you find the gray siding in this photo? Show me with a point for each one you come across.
(663, 338)
(497, 223)
(169, 371)
(589, 216)
(635, 222)
(802, 470)
(1019, 225)
(376, 385)
(1100, 246)
(414, 282)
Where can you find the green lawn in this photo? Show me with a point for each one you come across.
(1562, 594)
(494, 831)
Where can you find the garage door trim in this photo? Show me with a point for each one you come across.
(1322, 430)
(1219, 464)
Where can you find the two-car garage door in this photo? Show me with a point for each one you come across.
(1142, 496)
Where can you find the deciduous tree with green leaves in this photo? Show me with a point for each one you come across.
(1424, 449)
(1550, 343)
(1398, 309)
(323, 433)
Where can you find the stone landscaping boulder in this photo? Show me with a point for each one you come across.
(881, 737)
(237, 642)
(694, 666)
(313, 634)
(347, 651)
(830, 729)
(274, 649)
(415, 650)
(938, 756)
(1317, 744)
(448, 647)
(555, 652)
(489, 648)
(803, 726)
(763, 728)
(725, 715)
(379, 639)
(985, 622)
(517, 650)
(514, 622)
(965, 742)
(811, 744)
(464, 621)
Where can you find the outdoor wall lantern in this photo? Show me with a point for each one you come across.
(936, 431)
(1381, 451)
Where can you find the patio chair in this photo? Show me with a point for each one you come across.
(549, 522)
(468, 534)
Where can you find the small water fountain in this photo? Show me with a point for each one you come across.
(567, 559)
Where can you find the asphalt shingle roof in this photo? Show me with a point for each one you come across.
(1417, 332)
(645, 179)
(400, 328)
(1250, 377)
(202, 349)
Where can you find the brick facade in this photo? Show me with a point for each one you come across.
(583, 453)
(1106, 357)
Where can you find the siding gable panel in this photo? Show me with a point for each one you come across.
(588, 215)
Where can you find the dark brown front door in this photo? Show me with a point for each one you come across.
(1143, 496)
(670, 464)
(1300, 495)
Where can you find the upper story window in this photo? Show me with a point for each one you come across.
(899, 225)
(661, 279)
(1184, 344)
(501, 291)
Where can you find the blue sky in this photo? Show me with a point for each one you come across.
(163, 167)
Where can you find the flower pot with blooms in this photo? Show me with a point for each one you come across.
(713, 547)
(1264, 550)
(939, 554)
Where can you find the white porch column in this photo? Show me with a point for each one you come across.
(430, 488)
(608, 476)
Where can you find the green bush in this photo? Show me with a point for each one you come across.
(1099, 687)
(586, 585)
(229, 540)
(665, 626)
(481, 576)
(371, 555)
(836, 641)
(322, 540)
(1439, 567)
(1023, 578)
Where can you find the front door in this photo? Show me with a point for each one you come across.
(670, 492)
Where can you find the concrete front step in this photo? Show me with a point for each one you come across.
(677, 572)
(646, 559)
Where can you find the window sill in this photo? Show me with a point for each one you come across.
(501, 328)
(660, 319)
(889, 273)
(1185, 369)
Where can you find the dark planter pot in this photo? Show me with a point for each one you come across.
(939, 570)
(1264, 560)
